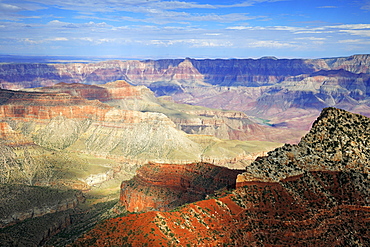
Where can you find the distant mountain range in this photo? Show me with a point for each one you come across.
(280, 93)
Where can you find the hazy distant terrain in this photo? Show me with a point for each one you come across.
(279, 93)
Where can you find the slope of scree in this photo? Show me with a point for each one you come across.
(315, 193)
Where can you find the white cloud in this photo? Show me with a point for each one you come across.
(89, 39)
(351, 26)
(119, 5)
(248, 3)
(31, 41)
(327, 7)
(354, 41)
(270, 44)
(311, 38)
(364, 33)
(58, 39)
(197, 43)
(91, 24)
(239, 28)
(8, 7)
(366, 5)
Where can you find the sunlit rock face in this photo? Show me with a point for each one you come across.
(185, 72)
(281, 93)
(166, 186)
(60, 121)
(313, 193)
(317, 208)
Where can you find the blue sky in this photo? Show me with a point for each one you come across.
(141, 29)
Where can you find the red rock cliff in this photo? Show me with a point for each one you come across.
(165, 186)
(316, 209)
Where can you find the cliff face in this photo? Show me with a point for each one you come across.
(355, 64)
(314, 193)
(317, 208)
(192, 120)
(277, 91)
(222, 72)
(45, 106)
(221, 124)
(165, 186)
(252, 72)
(114, 90)
(59, 121)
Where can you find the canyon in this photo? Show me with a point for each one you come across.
(169, 138)
(103, 121)
(89, 138)
(313, 193)
(279, 94)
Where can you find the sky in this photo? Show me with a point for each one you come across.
(155, 29)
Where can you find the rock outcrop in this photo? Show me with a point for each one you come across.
(166, 186)
(190, 119)
(337, 141)
(315, 209)
(314, 193)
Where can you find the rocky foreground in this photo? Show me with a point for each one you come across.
(315, 193)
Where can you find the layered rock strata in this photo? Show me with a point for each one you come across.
(281, 93)
(246, 72)
(317, 208)
(166, 186)
(60, 121)
(190, 119)
(314, 193)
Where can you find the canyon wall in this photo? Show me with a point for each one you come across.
(60, 121)
(280, 93)
(187, 72)
(190, 119)
(313, 193)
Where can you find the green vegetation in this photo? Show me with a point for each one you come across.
(32, 232)
(21, 198)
